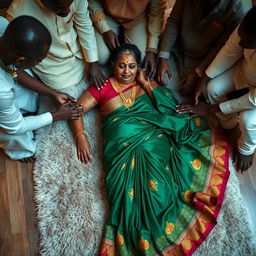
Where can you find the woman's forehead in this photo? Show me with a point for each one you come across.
(126, 58)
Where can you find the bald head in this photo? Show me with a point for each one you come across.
(28, 37)
(59, 7)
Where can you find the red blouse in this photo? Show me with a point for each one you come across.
(105, 94)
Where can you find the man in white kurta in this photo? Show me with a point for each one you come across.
(73, 42)
(16, 131)
(235, 68)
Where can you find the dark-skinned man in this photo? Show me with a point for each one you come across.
(233, 73)
(195, 31)
(137, 22)
(73, 41)
(24, 43)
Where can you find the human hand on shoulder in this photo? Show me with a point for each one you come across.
(111, 39)
(163, 68)
(84, 153)
(96, 76)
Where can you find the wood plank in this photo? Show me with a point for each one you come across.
(5, 225)
(28, 192)
(18, 227)
(15, 195)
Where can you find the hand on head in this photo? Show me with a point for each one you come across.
(111, 40)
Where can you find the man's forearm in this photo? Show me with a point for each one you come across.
(34, 84)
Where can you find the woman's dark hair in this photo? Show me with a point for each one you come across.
(249, 22)
(119, 51)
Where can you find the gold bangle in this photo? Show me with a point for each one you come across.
(147, 84)
(151, 50)
(97, 16)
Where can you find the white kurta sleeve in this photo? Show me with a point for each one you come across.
(13, 122)
(230, 53)
(247, 101)
(155, 22)
(85, 31)
(98, 16)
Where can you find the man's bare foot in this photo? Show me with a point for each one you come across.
(30, 159)
(243, 162)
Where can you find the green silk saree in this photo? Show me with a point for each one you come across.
(166, 176)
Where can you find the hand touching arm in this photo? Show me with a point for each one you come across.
(84, 153)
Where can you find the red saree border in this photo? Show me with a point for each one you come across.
(187, 243)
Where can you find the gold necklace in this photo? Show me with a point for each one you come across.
(11, 69)
(128, 102)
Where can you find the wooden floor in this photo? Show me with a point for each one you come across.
(18, 229)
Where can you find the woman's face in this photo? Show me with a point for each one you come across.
(125, 68)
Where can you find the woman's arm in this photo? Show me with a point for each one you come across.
(84, 153)
(145, 83)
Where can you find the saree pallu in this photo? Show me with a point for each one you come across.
(166, 176)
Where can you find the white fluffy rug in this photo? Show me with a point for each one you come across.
(72, 204)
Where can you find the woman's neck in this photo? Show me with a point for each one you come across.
(122, 84)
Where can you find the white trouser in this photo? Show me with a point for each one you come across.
(22, 145)
(217, 90)
(137, 35)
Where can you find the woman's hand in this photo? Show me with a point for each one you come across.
(141, 76)
(84, 153)
(96, 77)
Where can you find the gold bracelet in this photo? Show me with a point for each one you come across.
(151, 50)
(147, 84)
(97, 16)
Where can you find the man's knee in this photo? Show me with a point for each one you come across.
(212, 91)
(247, 120)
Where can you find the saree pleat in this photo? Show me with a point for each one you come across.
(165, 176)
